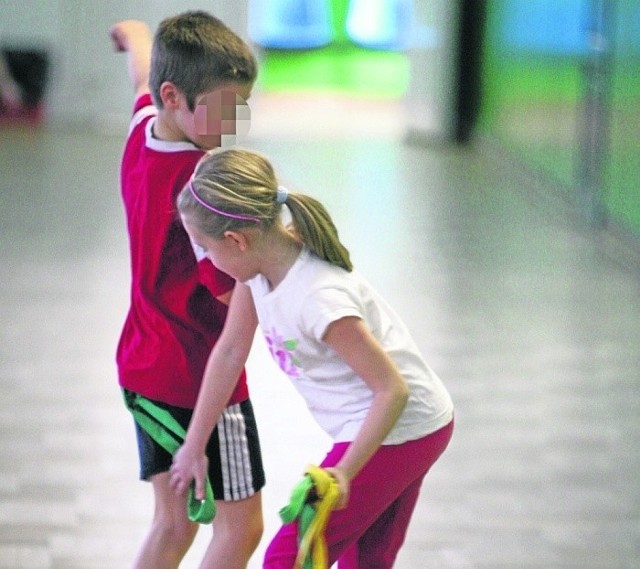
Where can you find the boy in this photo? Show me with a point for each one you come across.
(198, 73)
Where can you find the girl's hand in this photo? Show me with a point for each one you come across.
(343, 484)
(189, 465)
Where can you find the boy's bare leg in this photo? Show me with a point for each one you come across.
(171, 533)
(237, 529)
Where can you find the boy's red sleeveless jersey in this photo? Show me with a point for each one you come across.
(174, 319)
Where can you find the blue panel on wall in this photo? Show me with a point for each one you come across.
(381, 24)
(290, 24)
(628, 34)
(545, 26)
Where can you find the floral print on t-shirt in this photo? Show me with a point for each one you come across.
(282, 352)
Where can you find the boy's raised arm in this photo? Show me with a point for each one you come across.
(135, 38)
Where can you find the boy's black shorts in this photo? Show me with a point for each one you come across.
(235, 462)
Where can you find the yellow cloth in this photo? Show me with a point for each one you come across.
(312, 513)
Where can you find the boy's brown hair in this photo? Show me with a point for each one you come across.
(197, 52)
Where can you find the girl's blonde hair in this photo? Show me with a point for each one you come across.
(236, 188)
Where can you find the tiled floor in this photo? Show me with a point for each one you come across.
(532, 320)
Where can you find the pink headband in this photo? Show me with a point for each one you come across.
(219, 211)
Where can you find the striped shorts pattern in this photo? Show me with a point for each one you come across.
(235, 462)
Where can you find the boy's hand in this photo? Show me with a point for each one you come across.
(135, 38)
(123, 33)
(187, 466)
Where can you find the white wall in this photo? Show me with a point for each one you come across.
(430, 99)
(89, 82)
(29, 21)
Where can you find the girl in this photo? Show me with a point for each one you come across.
(343, 347)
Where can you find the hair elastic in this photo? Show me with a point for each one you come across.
(219, 211)
(281, 194)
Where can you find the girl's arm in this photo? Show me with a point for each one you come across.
(135, 37)
(355, 344)
(224, 366)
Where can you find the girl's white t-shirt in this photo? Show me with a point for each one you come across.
(294, 318)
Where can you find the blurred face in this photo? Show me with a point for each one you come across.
(221, 116)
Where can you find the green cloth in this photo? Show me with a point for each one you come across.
(169, 434)
(312, 501)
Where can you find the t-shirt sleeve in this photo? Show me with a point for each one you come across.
(142, 101)
(326, 305)
(142, 109)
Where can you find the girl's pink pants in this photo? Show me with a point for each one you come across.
(368, 533)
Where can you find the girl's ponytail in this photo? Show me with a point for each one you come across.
(315, 228)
